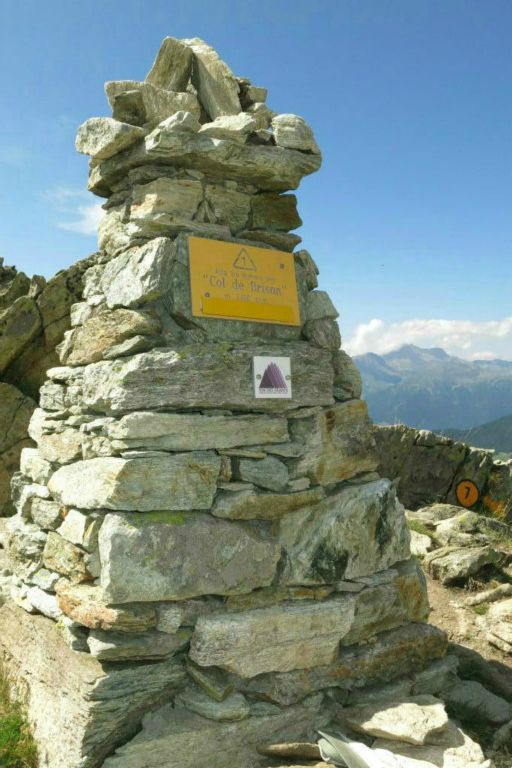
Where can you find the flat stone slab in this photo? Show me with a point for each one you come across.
(415, 720)
(174, 556)
(457, 750)
(194, 432)
(217, 376)
(455, 564)
(177, 482)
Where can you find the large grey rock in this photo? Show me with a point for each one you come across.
(293, 132)
(102, 137)
(216, 85)
(451, 564)
(204, 377)
(180, 481)
(352, 533)
(415, 720)
(469, 700)
(139, 275)
(268, 167)
(339, 443)
(176, 556)
(191, 432)
(176, 738)
(172, 66)
(103, 704)
(147, 105)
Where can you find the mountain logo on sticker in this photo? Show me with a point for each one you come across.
(273, 381)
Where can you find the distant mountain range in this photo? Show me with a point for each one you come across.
(495, 434)
(429, 389)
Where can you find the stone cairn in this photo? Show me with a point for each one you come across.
(199, 573)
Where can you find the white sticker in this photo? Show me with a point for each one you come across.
(272, 377)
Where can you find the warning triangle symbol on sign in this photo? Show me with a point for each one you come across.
(244, 261)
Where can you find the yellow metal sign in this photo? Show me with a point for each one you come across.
(236, 282)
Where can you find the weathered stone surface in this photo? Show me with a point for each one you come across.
(102, 137)
(353, 533)
(302, 635)
(224, 205)
(150, 106)
(80, 529)
(347, 379)
(191, 432)
(64, 557)
(44, 603)
(103, 705)
(164, 201)
(46, 514)
(249, 505)
(62, 446)
(34, 466)
(213, 681)
(451, 565)
(291, 751)
(15, 412)
(414, 721)
(392, 654)
(234, 127)
(338, 443)
(172, 67)
(86, 605)
(469, 700)
(268, 167)
(275, 212)
(173, 557)
(323, 333)
(320, 306)
(268, 473)
(25, 545)
(457, 750)
(216, 85)
(293, 132)
(89, 341)
(199, 377)
(181, 481)
(20, 323)
(124, 646)
(421, 544)
(233, 707)
(176, 738)
(138, 276)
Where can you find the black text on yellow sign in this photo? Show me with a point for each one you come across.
(236, 282)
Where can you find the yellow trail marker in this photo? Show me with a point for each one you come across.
(241, 282)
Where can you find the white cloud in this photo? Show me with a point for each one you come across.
(77, 215)
(463, 338)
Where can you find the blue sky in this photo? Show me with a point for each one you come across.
(409, 218)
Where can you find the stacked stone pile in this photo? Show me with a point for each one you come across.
(234, 564)
(34, 314)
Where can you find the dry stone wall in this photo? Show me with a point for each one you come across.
(428, 468)
(235, 561)
(34, 314)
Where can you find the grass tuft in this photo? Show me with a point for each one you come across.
(17, 747)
